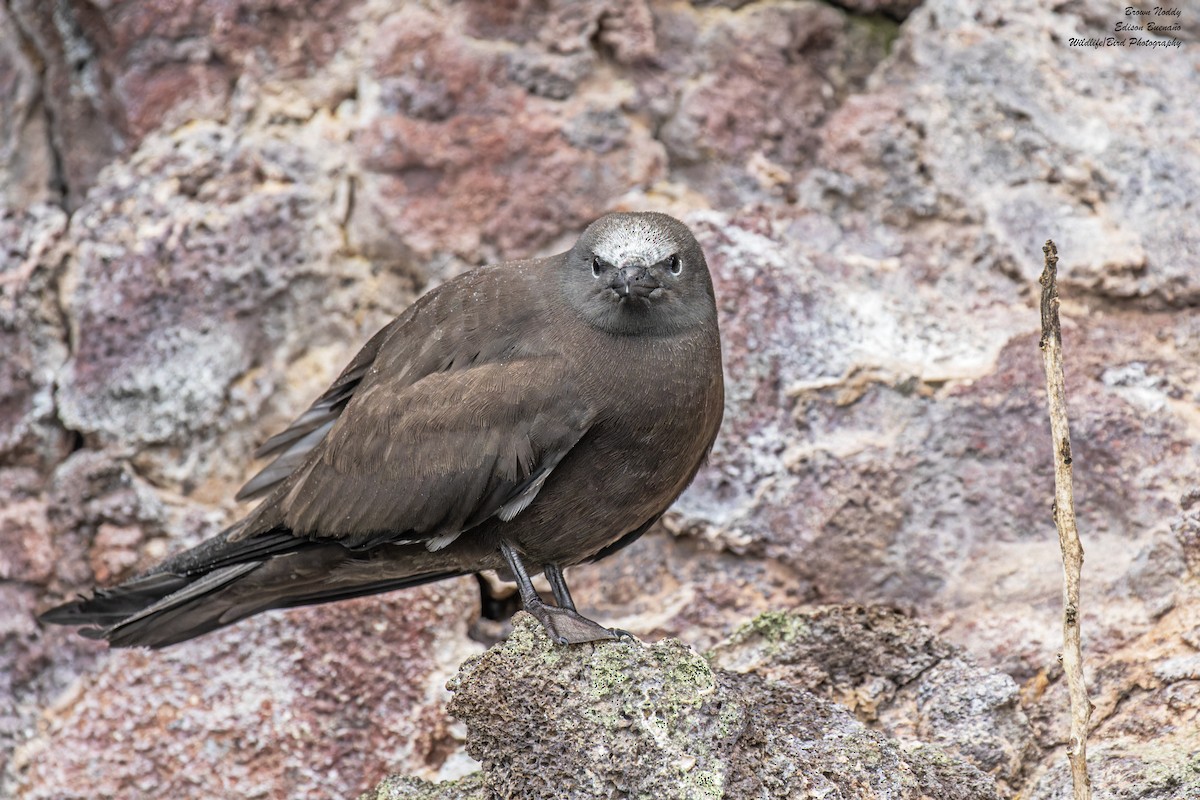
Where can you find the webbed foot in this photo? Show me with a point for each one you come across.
(566, 626)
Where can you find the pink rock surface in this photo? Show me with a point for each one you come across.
(209, 207)
(312, 703)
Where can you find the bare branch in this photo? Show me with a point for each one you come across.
(1064, 520)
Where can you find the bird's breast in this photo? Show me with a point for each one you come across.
(656, 414)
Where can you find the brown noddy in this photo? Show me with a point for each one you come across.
(523, 417)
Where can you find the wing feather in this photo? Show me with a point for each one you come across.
(437, 457)
(293, 443)
(456, 412)
(446, 330)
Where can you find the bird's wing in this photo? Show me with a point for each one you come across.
(466, 321)
(427, 460)
(291, 445)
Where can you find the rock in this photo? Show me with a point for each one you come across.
(27, 170)
(744, 95)
(32, 336)
(839, 468)
(460, 152)
(1146, 722)
(99, 509)
(548, 74)
(1187, 530)
(396, 787)
(990, 108)
(208, 207)
(836, 651)
(254, 708)
(894, 674)
(115, 73)
(157, 262)
(895, 9)
(658, 720)
(26, 548)
(1142, 771)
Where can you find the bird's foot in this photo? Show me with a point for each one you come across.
(570, 627)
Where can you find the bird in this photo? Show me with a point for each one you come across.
(523, 417)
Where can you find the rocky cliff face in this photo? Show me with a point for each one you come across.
(206, 208)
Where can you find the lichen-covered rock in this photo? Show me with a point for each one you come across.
(834, 650)
(659, 721)
(548, 721)
(894, 674)
(472, 787)
(1133, 770)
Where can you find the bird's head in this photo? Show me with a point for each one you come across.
(639, 273)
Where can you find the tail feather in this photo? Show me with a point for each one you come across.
(176, 617)
(218, 583)
(109, 606)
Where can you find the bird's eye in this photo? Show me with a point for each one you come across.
(674, 264)
(596, 262)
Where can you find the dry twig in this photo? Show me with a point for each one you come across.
(1064, 520)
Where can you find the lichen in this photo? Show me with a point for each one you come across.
(471, 787)
(607, 671)
(659, 721)
(525, 639)
(1168, 767)
(701, 784)
(730, 719)
(873, 30)
(773, 628)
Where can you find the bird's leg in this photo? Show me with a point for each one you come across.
(558, 585)
(565, 625)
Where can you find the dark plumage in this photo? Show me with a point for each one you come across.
(524, 417)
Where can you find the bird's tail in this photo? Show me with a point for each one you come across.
(220, 582)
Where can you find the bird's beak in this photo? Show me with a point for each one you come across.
(633, 280)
